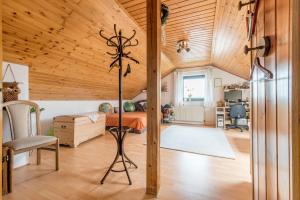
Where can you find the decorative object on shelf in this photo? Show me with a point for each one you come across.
(120, 43)
(218, 82)
(251, 16)
(244, 85)
(183, 45)
(11, 90)
(164, 18)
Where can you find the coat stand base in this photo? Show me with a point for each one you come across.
(121, 156)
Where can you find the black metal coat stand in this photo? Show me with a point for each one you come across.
(120, 43)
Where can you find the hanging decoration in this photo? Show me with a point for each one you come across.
(164, 18)
(120, 43)
(164, 14)
(11, 90)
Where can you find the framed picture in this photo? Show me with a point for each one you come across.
(218, 82)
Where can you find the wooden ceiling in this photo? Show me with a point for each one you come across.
(189, 19)
(230, 37)
(215, 28)
(59, 40)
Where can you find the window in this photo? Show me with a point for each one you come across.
(193, 88)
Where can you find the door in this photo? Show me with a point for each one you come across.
(275, 111)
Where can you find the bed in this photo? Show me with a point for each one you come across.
(137, 121)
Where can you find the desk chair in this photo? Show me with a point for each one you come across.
(238, 113)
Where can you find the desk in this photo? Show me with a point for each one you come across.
(223, 118)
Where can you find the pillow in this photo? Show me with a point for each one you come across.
(106, 108)
(141, 106)
(129, 107)
(145, 107)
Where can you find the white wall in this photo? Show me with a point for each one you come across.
(227, 79)
(218, 93)
(56, 108)
(21, 75)
(141, 96)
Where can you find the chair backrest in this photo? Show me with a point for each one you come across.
(19, 114)
(237, 111)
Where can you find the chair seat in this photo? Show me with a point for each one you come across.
(29, 142)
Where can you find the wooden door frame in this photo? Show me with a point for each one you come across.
(294, 110)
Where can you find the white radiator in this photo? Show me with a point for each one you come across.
(190, 113)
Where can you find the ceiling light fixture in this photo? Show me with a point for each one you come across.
(183, 45)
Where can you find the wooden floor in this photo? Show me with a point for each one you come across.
(184, 176)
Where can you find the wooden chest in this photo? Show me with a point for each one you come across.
(75, 129)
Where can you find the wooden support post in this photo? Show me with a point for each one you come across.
(153, 96)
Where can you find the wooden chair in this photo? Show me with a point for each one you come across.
(22, 139)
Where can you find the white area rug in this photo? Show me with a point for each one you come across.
(206, 141)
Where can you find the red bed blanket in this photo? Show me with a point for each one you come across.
(135, 120)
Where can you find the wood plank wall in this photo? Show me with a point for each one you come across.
(273, 163)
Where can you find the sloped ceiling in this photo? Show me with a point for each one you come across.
(215, 29)
(59, 40)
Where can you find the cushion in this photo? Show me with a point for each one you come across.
(106, 108)
(141, 106)
(129, 106)
(28, 142)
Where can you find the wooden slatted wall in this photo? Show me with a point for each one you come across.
(274, 164)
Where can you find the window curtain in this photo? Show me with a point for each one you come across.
(178, 86)
(209, 89)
